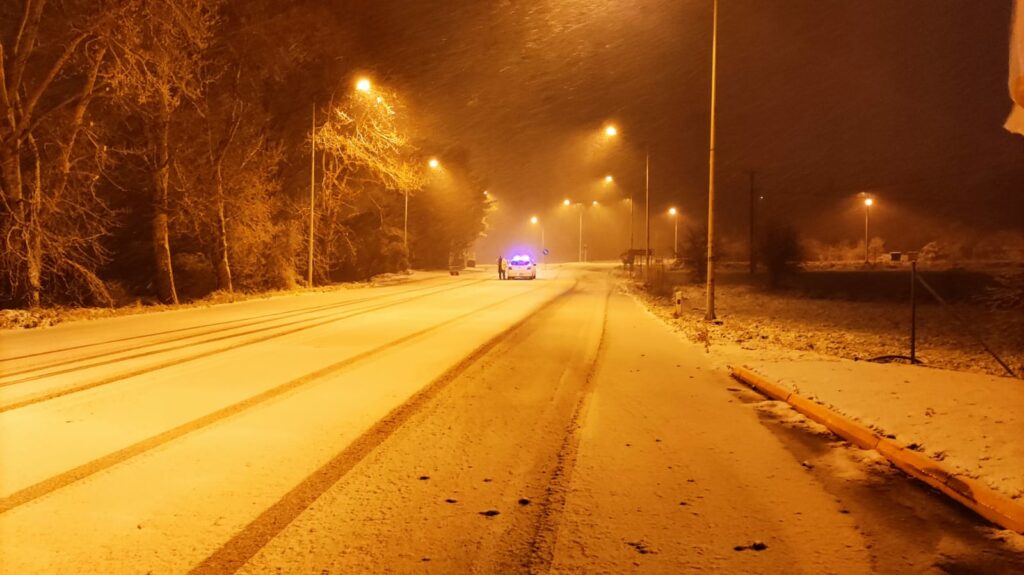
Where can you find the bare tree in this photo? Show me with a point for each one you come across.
(160, 56)
(368, 162)
(227, 206)
(51, 219)
(217, 149)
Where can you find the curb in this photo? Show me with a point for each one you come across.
(972, 493)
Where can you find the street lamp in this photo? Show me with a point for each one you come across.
(566, 202)
(434, 164)
(611, 131)
(868, 202)
(675, 234)
(363, 85)
(608, 179)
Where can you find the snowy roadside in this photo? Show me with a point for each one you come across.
(47, 317)
(972, 422)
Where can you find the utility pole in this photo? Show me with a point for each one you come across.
(631, 255)
(312, 195)
(579, 256)
(405, 225)
(675, 238)
(647, 207)
(753, 227)
(710, 314)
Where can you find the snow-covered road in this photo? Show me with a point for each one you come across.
(452, 425)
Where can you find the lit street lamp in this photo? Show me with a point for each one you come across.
(609, 179)
(434, 165)
(612, 131)
(675, 234)
(868, 202)
(362, 85)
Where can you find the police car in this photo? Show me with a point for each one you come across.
(521, 266)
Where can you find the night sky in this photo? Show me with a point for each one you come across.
(821, 99)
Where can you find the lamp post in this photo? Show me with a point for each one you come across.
(579, 256)
(647, 208)
(365, 86)
(675, 233)
(434, 164)
(611, 131)
(868, 202)
(710, 287)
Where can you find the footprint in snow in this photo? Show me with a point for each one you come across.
(641, 547)
(755, 546)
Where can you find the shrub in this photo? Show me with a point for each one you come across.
(1008, 293)
(194, 275)
(781, 252)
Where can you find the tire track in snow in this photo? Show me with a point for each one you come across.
(237, 551)
(541, 547)
(179, 360)
(45, 487)
(217, 328)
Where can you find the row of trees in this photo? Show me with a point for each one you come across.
(162, 147)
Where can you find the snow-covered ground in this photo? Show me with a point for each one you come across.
(51, 316)
(755, 319)
(970, 420)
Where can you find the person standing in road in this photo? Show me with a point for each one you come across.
(502, 266)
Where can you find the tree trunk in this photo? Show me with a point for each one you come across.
(28, 271)
(161, 236)
(33, 259)
(223, 264)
